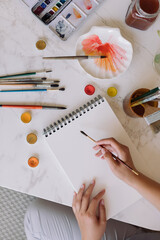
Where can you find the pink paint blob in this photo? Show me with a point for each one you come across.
(115, 55)
(88, 4)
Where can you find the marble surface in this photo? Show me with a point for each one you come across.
(19, 31)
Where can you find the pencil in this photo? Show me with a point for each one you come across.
(115, 157)
(24, 74)
(32, 106)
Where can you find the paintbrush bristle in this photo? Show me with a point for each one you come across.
(61, 89)
(84, 133)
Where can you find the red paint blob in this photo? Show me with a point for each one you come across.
(89, 89)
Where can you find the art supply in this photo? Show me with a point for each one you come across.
(137, 111)
(74, 57)
(104, 41)
(33, 161)
(89, 89)
(22, 79)
(41, 44)
(149, 92)
(63, 16)
(112, 91)
(33, 106)
(115, 157)
(26, 117)
(149, 98)
(25, 74)
(31, 84)
(152, 117)
(142, 14)
(64, 139)
(31, 138)
(34, 90)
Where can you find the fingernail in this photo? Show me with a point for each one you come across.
(82, 186)
(74, 193)
(103, 151)
(102, 201)
(93, 181)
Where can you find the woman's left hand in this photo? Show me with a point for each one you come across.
(92, 227)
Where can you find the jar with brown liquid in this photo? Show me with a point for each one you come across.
(141, 14)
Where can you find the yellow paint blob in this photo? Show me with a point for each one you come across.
(40, 44)
(112, 91)
(31, 138)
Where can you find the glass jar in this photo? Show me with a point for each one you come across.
(142, 13)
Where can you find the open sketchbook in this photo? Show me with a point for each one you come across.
(76, 156)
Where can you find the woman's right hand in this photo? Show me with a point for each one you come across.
(107, 146)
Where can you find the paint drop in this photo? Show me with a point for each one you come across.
(33, 162)
(26, 117)
(87, 4)
(112, 91)
(31, 138)
(40, 44)
(89, 89)
(76, 13)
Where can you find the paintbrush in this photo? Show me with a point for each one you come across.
(154, 90)
(45, 84)
(29, 79)
(114, 156)
(34, 90)
(74, 57)
(146, 99)
(25, 74)
(21, 79)
(32, 106)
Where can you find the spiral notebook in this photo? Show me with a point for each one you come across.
(76, 156)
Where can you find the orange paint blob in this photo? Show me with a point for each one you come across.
(76, 13)
(33, 162)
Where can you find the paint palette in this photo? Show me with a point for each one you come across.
(104, 41)
(62, 16)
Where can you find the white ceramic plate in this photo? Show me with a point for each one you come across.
(104, 41)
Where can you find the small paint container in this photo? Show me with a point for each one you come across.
(89, 89)
(33, 162)
(40, 44)
(112, 91)
(31, 138)
(63, 16)
(26, 117)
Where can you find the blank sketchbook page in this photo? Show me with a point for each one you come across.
(76, 156)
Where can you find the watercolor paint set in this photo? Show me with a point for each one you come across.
(63, 17)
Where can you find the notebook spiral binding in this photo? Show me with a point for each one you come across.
(72, 116)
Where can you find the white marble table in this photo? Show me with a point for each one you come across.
(19, 30)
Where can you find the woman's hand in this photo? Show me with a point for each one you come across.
(107, 146)
(92, 227)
